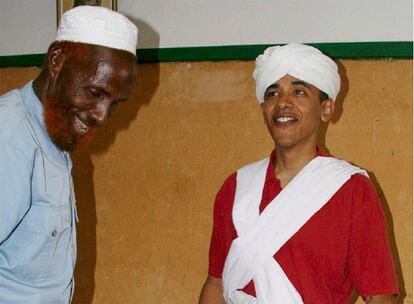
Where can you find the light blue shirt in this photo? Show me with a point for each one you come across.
(37, 207)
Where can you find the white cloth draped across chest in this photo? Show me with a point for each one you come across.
(260, 236)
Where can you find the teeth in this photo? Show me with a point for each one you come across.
(285, 119)
(81, 124)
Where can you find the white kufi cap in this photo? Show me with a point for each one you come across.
(301, 61)
(99, 26)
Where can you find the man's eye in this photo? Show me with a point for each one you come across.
(271, 94)
(113, 106)
(94, 93)
(299, 92)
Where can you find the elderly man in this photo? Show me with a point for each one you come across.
(89, 69)
(298, 226)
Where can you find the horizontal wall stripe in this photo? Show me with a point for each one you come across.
(340, 50)
(21, 60)
(346, 50)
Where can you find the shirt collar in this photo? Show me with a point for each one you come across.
(34, 109)
(33, 104)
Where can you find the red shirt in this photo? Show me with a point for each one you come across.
(342, 248)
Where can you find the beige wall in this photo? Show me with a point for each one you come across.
(146, 186)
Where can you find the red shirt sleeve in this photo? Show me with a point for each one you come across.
(370, 260)
(223, 229)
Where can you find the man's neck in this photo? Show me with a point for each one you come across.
(290, 161)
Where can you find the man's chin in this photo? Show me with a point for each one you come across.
(83, 141)
(71, 143)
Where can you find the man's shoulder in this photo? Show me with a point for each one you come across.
(359, 174)
(12, 111)
(14, 127)
(359, 182)
(228, 187)
(256, 165)
(10, 97)
(359, 191)
(229, 184)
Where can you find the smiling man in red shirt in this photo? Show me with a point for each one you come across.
(298, 226)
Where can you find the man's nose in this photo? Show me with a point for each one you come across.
(101, 111)
(283, 101)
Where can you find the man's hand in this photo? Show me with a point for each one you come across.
(381, 299)
(212, 292)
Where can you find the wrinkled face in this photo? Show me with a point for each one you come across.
(293, 111)
(87, 84)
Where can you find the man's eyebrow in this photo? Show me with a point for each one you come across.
(272, 86)
(301, 82)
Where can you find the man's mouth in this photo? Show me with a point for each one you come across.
(283, 120)
(80, 126)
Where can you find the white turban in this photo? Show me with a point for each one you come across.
(300, 61)
(99, 26)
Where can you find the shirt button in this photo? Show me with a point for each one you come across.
(54, 233)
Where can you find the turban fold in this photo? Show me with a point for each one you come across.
(300, 61)
(99, 26)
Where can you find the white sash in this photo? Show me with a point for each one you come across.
(261, 236)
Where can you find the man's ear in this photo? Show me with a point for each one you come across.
(328, 109)
(55, 59)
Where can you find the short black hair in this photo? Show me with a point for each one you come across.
(323, 96)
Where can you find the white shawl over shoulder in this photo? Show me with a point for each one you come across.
(260, 236)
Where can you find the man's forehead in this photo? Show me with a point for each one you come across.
(94, 55)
